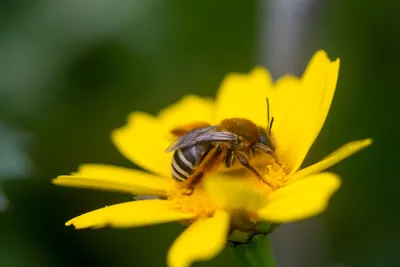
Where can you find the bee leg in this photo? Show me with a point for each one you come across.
(243, 160)
(207, 164)
(190, 191)
(264, 149)
(229, 158)
(267, 150)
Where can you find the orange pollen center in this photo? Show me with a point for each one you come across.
(198, 202)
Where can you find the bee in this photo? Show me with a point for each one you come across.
(201, 148)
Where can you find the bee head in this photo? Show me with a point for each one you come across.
(265, 138)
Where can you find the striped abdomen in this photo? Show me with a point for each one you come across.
(185, 161)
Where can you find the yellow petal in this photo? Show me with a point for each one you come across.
(284, 94)
(189, 109)
(300, 200)
(244, 96)
(114, 178)
(202, 241)
(331, 82)
(144, 141)
(335, 157)
(302, 108)
(234, 194)
(130, 214)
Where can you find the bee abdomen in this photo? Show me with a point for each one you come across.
(185, 161)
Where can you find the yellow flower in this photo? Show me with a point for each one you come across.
(223, 203)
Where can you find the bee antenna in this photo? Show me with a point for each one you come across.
(270, 125)
(269, 119)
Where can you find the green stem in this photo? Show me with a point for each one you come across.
(257, 253)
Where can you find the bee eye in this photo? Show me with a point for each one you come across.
(263, 140)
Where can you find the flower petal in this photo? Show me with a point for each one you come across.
(307, 102)
(233, 194)
(285, 91)
(189, 109)
(202, 241)
(244, 96)
(114, 178)
(335, 157)
(144, 141)
(130, 214)
(302, 199)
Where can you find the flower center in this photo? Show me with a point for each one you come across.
(198, 202)
(195, 201)
(275, 176)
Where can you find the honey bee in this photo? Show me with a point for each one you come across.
(201, 148)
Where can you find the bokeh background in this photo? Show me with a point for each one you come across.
(71, 71)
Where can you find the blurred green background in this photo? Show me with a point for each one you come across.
(71, 71)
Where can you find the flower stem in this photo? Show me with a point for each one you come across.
(257, 253)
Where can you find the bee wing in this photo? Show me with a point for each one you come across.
(206, 134)
(216, 137)
(189, 139)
